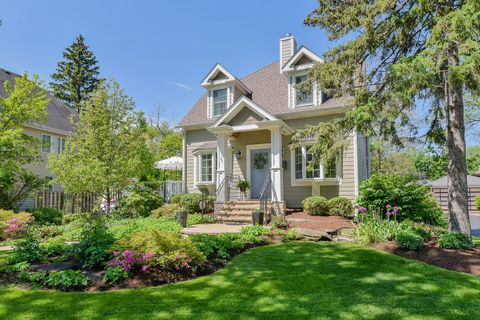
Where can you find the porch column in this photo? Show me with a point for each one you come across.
(223, 159)
(276, 161)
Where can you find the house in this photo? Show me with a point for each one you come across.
(241, 129)
(51, 133)
(439, 190)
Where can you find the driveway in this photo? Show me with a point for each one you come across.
(475, 222)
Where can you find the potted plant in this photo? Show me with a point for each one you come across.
(243, 185)
(257, 217)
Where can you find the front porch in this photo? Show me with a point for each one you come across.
(250, 147)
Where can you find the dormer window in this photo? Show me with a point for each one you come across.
(220, 98)
(303, 98)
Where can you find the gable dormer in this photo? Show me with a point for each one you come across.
(223, 90)
(296, 69)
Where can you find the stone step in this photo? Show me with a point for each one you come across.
(234, 214)
(238, 219)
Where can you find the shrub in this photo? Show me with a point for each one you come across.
(140, 201)
(316, 206)
(477, 202)
(408, 240)
(46, 231)
(35, 279)
(414, 201)
(189, 202)
(47, 216)
(66, 280)
(218, 246)
(114, 275)
(197, 218)
(279, 222)
(129, 260)
(27, 250)
(126, 227)
(455, 240)
(95, 241)
(340, 206)
(71, 217)
(370, 230)
(165, 247)
(13, 225)
(55, 247)
(168, 210)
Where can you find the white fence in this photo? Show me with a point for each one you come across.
(171, 188)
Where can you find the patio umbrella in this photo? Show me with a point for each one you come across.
(173, 163)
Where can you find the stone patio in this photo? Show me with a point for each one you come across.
(213, 228)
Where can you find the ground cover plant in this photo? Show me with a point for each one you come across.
(261, 284)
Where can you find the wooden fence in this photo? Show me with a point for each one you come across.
(67, 202)
(441, 194)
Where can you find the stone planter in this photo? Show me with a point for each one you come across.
(182, 218)
(257, 217)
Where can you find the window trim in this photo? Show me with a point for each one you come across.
(210, 99)
(197, 168)
(304, 181)
(295, 101)
(218, 102)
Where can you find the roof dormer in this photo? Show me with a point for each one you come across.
(223, 90)
(303, 59)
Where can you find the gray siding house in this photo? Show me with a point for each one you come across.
(241, 129)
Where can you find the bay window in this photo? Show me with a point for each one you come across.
(205, 165)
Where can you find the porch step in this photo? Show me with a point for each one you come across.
(238, 211)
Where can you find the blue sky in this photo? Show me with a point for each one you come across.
(159, 51)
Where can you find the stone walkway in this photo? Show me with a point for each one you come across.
(213, 228)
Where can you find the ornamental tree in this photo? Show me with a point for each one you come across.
(107, 149)
(411, 52)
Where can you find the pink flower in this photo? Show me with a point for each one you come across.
(388, 206)
(144, 268)
(177, 267)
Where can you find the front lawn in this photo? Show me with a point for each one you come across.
(297, 280)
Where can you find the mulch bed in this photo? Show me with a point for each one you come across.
(320, 223)
(467, 261)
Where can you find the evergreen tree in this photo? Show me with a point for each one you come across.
(412, 52)
(77, 75)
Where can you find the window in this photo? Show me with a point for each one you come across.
(205, 167)
(298, 163)
(303, 97)
(219, 102)
(331, 170)
(302, 158)
(46, 143)
(60, 145)
(311, 173)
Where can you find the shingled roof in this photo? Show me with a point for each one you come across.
(269, 90)
(59, 113)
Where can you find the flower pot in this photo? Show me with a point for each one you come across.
(182, 218)
(257, 217)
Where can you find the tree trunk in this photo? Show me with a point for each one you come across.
(458, 218)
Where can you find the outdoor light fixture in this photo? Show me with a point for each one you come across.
(238, 154)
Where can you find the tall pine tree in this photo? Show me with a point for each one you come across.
(77, 75)
(414, 51)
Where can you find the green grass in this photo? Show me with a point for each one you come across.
(476, 241)
(297, 280)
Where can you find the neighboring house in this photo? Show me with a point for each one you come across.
(440, 192)
(242, 129)
(51, 133)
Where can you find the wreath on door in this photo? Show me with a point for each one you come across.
(260, 160)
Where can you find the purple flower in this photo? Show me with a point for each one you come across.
(144, 268)
(388, 206)
(362, 210)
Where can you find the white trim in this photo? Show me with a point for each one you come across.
(302, 51)
(238, 106)
(208, 84)
(197, 169)
(355, 163)
(48, 129)
(249, 149)
(184, 155)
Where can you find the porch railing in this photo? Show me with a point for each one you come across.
(228, 188)
(265, 196)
